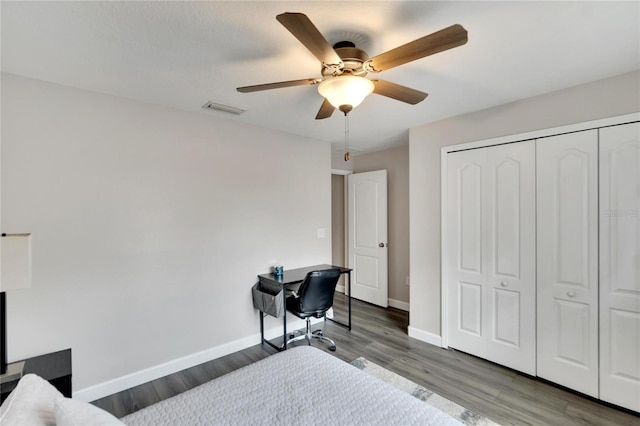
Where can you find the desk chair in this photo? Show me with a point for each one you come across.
(313, 299)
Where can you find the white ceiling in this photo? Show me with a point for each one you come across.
(183, 54)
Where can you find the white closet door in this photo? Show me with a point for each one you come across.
(511, 255)
(466, 269)
(620, 265)
(491, 253)
(567, 254)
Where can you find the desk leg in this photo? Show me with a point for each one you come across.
(349, 298)
(348, 290)
(284, 328)
(278, 348)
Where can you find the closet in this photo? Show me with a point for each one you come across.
(542, 257)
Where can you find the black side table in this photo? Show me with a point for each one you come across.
(54, 367)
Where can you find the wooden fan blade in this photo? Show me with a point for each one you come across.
(303, 29)
(269, 86)
(440, 41)
(326, 109)
(398, 92)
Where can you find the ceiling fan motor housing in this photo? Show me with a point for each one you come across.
(351, 56)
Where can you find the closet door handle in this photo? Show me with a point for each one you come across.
(504, 284)
(571, 293)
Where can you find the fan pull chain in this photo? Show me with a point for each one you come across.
(347, 155)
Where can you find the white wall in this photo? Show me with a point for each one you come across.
(605, 98)
(149, 225)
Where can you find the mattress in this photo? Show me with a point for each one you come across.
(300, 386)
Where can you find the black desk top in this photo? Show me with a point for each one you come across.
(293, 276)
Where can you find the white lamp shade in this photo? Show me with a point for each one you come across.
(345, 90)
(16, 262)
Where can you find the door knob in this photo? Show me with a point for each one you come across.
(504, 284)
(571, 293)
(381, 245)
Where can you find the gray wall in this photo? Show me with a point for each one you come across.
(604, 98)
(396, 162)
(337, 223)
(338, 163)
(149, 225)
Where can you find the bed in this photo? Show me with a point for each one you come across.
(300, 386)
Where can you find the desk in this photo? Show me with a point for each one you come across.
(296, 276)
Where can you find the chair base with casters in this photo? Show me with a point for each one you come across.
(308, 335)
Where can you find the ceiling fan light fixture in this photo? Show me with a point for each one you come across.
(345, 90)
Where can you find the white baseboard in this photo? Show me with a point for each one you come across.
(398, 304)
(425, 336)
(340, 289)
(119, 384)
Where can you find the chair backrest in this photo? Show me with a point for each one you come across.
(317, 289)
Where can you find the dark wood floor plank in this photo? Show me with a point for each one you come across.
(142, 396)
(539, 407)
(163, 388)
(586, 412)
(196, 376)
(113, 404)
(380, 335)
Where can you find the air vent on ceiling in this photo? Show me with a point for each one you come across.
(225, 108)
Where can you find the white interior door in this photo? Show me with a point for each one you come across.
(567, 209)
(491, 279)
(367, 241)
(620, 265)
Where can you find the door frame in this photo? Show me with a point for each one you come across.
(519, 137)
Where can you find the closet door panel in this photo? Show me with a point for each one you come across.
(573, 332)
(506, 320)
(470, 218)
(511, 279)
(466, 274)
(567, 253)
(506, 218)
(470, 308)
(572, 218)
(620, 265)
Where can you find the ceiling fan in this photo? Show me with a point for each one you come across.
(344, 66)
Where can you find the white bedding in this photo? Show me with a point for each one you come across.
(301, 386)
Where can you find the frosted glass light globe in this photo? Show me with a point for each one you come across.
(345, 90)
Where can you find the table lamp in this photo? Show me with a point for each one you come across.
(15, 273)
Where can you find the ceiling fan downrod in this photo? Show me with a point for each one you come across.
(347, 155)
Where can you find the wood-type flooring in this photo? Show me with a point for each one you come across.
(380, 335)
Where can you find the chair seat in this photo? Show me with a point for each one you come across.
(293, 306)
